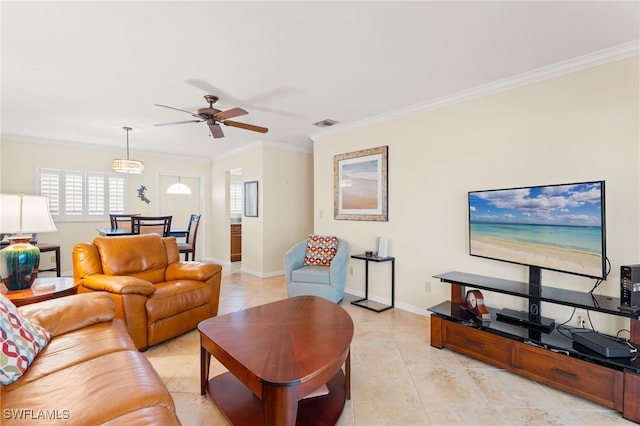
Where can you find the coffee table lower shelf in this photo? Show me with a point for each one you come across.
(242, 407)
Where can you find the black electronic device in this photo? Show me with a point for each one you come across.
(630, 287)
(523, 319)
(603, 345)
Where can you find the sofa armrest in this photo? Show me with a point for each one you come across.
(118, 284)
(294, 259)
(198, 271)
(69, 313)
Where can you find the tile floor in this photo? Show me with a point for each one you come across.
(397, 377)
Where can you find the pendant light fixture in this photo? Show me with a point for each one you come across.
(179, 188)
(127, 166)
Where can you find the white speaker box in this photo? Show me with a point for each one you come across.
(383, 247)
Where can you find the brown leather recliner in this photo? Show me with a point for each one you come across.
(157, 295)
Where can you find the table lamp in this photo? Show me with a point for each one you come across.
(19, 214)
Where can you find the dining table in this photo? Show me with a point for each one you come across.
(117, 232)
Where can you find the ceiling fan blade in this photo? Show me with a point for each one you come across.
(216, 130)
(246, 126)
(230, 113)
(178, 122)
(177, 109)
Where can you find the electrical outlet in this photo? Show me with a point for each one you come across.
(321, 214)
(581, 322)
(351, 270)
(427, 287)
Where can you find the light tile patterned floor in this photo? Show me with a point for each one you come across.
(397, 377)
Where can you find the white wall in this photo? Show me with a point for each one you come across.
(577, 127)
(20, 159)
(288, 203)
(285, 197)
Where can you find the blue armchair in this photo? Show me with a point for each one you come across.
(322, 281)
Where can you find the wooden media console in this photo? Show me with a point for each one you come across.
(548, 358)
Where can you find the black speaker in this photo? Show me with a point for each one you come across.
(630, 287)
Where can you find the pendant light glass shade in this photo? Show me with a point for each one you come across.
(179, 188)
(127, 166)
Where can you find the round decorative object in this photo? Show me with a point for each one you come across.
(45, 285)
(475, 304)
(19, 263)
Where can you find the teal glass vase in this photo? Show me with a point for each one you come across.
(19, 264)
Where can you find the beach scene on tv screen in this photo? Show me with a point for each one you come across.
(555, 227)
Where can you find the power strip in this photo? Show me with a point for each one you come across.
(601, 344)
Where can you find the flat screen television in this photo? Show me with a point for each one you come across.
(556, 227)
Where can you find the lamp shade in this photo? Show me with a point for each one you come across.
(179, 188)
(22, 213)
(127, 166)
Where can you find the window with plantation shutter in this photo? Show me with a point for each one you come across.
(82, 195)
(50, 187)
(235, 197)
(95, 194)
(73, 194)
(116, 194)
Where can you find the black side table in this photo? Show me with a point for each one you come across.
(363, 303)
(45, 247)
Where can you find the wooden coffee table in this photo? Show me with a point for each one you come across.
(277, 354)
(43, 289)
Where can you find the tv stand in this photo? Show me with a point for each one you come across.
(522, 319)
(548, 358)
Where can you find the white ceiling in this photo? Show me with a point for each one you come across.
(79, 71)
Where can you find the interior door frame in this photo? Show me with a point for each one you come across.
(200, 244)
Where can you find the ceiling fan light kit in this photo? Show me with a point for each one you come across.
(213, 117)
(127, 166)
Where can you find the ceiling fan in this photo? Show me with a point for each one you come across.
(214, 117)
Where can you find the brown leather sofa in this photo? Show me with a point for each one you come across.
(157, 295)
(90, 373)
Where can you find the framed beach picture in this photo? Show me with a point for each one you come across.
(360, 185)
(251, 199)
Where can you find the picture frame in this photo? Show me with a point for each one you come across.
(361, 185)
(251, 199)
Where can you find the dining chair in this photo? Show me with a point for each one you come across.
(121, 221)
(160, 225)
(189, 246)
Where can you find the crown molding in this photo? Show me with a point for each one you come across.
(104, 148)
(591, 60)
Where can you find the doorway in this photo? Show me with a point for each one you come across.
(182, 204)
(235, 214)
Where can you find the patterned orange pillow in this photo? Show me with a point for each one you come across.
(320, 250)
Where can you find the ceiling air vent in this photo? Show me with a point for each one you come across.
(327, 122)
